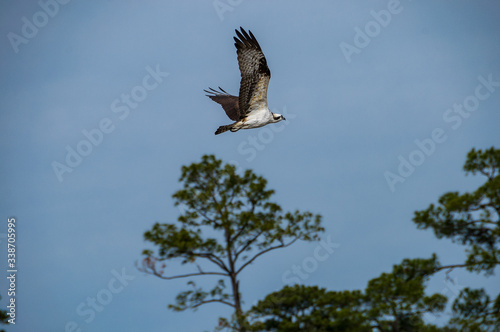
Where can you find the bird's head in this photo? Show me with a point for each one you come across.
(278, 117)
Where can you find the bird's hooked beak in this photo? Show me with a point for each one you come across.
(283, 117)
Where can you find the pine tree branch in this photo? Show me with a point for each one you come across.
(151, 269)
(282, 245)
(449, 267)
(214, 259)
(252, 209)
(249, 242)
(213, 300)
(204, 215)
(184, 275)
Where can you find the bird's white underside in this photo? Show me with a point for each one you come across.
(256, 118)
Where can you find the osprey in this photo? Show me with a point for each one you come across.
(249, 109)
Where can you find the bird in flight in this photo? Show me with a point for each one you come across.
(249, 109)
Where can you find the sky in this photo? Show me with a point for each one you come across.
(103, 103)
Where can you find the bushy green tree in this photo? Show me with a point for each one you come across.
(472, 219)
(397, 301)
(475, 311)
(309, 308)
(394, 302)
(228, 222)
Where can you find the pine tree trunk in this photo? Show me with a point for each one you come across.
(237, 304)
(235, 285)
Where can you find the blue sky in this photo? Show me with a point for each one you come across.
(352, 116)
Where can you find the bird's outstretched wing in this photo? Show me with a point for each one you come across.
(255, 74)
(228, 102)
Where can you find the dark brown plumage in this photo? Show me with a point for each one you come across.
(228, 102)
(255, 73)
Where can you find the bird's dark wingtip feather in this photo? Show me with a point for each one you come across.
(211, 93)
(240, 36)
(214, 93)
(245, 39)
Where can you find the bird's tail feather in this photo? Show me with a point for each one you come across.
(223, 129)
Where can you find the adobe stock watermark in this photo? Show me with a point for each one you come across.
(89, 308)
(454, 117)
(297, 273)
(223, 6)
(265, 135)
(372, 28)
(451, 290)
(95, 136)
(30, 26)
